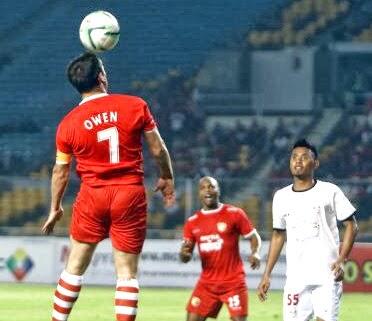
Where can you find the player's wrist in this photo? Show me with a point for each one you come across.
(256, 255)
(167, 176)
(55, 208)
(341, 261)
(185, 257)
(266, 275)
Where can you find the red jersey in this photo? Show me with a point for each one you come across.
(104, 135)
(217, 233)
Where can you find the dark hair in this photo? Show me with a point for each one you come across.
(304, 143)
(83, 71)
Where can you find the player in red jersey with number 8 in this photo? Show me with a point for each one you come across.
(216, 229)
(104, 135)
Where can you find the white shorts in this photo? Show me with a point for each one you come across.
(302, 304)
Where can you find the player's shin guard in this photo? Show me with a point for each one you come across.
(66, 294)
(126, 299)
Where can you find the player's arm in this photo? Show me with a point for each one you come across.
(186, 250)
(255, 241)
(60, 178)
(160, 153)
(351, 231)
(276, 245)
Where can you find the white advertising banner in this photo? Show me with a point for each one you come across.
(101, 270)
(27, 259)
(42, 259)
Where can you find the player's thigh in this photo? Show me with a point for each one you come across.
(128, 218)
(126, 264)
(326, 300)
(297, 303)
(236, 299)
(90, 221)
(204, 302)
(80, 256)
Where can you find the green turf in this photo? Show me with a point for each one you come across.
(20, 302)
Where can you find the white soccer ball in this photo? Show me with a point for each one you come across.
(99, 31)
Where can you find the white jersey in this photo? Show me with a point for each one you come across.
(310, 220)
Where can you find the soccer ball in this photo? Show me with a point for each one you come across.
(99, 31)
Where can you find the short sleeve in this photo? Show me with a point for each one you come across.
(62, 140)
(149, 121)
(278, 213)
(244, 224)
(342, 205)
(187, 232)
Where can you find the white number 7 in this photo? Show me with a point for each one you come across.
(112, 135)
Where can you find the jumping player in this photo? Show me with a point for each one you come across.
(103, 133)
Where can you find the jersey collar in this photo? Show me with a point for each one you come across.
(305, 190)
(92, 97)
(212, 211)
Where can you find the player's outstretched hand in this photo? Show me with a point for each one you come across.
(338, 270)
(166, 187)
(51, 221)
(254, 261)
(263, 287)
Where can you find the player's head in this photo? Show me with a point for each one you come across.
(304, 159)
(209, 192)
(86, 73)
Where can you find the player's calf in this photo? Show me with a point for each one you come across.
(126, 300)
(66, 294)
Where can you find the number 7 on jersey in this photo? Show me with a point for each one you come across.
(112, 135)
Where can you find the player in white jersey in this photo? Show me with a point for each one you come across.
(306, 212)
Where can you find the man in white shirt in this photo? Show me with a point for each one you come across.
(306, 212)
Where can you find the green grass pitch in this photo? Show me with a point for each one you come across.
(21, 302)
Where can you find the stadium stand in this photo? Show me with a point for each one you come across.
(174, 47)
(207, 133)
(29, 116)
(298, 23)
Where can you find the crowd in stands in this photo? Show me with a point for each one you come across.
(225, 152)
(221, 151)
(346, 156)
(298, 22)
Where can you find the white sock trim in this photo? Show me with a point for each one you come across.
(63, 304)
(133, 283)
(120, 295)
(66, 292)
(71, 279)
(125, 310)
(59, 316)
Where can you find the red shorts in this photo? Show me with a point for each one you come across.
(207, 299)
(118, 212)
